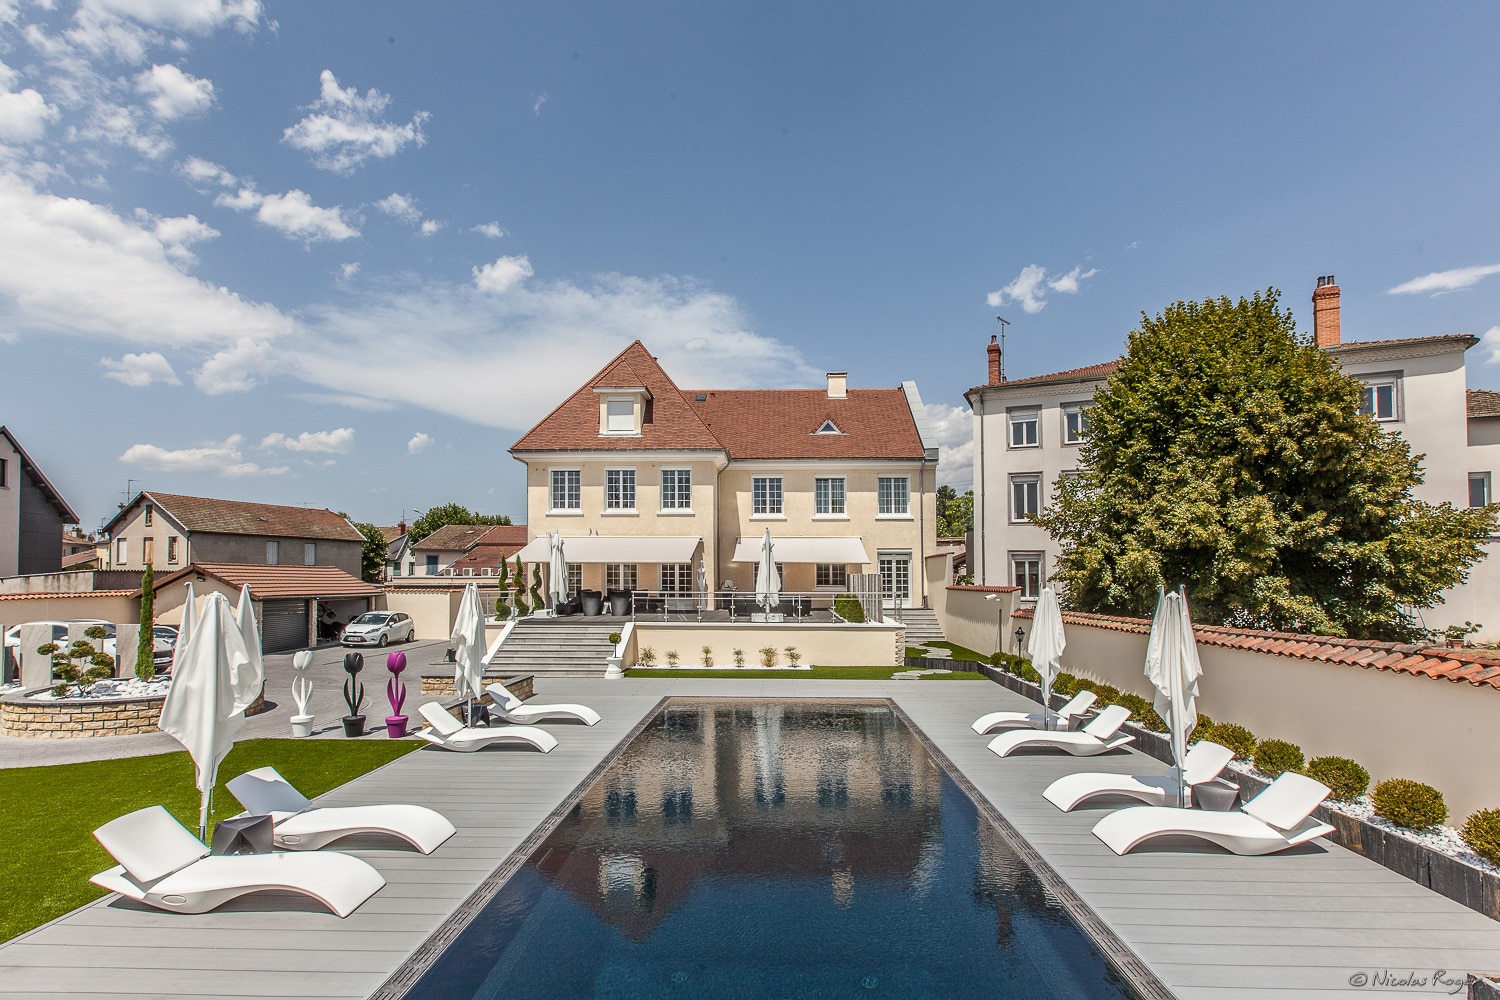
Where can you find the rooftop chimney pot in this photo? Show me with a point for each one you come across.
(1325, 300)
(994, 353)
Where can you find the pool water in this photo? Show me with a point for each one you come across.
(748, 849)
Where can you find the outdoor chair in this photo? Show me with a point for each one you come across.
(1278, 818)
(447, 732)
(591, 602)
(302, 826)
(1063, 718)
(1095, 738)
(514, 710)
(164, 865)
(1202, 764)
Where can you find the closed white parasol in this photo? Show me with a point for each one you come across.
(1173, 669)
(767, 580)
(1045, 646)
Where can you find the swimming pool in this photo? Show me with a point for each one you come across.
(749, 849)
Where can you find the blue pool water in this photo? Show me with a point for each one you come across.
(768, 850)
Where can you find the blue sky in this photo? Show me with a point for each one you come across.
(345, 253)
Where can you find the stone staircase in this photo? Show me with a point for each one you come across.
(569, 647)
(921, 626)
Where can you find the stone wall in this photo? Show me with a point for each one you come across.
(440, 685)
(75, 718)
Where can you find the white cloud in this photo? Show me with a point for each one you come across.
(336, 442)
(490, 229)
(220, 457)
(173, 93)
(1439, 282)
(241, 366)
(140, 370)
(345, 399)
(9, 339)
(200, 172)
(1489, 343)
(953, 426)
(1030, 287)
(349, 270)
(177, 234)
(199, 16)
(536, 107)
(400, 206)
(430, 226)
(292, 214)
(419, 443)
(24, 114)
(346, 129)
(502, 274)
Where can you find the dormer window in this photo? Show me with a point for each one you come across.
(828, 427)
(619, 415)
(623, 411)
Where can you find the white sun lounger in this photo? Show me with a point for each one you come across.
(447, 732)
(1063, 718)
(165, 866)
(1203, 763)
(302, 826)
(514, 710)
(1095, 738)
(1277, 818)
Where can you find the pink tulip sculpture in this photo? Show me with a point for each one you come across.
(395, 691)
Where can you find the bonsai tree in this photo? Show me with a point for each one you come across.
(79, 663)
(502, 607)
(522, 608)
(145, 650)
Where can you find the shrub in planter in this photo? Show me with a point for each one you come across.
(1065, 685)
(1237, 738)
(847, 607)
(708, 656)
(1410, 803)
(614, 638)
(1084, 684)
(1345, 779)
(1276, 757)
(769, 655)
(739, 657)
(1106, 695)
(1482, 833)
(671, 657)
(1204, 722)
(647, 656)
(793, 656)
(1142, 712)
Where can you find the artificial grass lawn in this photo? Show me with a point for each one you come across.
(815, 674)
(49, 813)
(960, 652)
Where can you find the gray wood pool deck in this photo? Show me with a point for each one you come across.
(1209, 924)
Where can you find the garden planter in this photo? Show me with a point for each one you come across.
(395, 726)
(301, 726)
(354, 725)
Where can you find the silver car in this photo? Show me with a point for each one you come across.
(379, 628)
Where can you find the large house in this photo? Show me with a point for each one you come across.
(32, 514)
(171, 531)
(1028, 433)
(647, 483)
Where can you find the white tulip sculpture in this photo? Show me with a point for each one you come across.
(302, 688)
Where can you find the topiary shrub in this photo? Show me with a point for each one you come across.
(1276, 757)
(1237, 738)
(1482, 833)
(1410, 803)
(847, 607)
(1142, 712)
(1065, 685)
(1345, 779)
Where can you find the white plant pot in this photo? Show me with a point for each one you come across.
(613, 671)
(301, 725)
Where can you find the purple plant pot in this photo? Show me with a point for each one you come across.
(395, 726)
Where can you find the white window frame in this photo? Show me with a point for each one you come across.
(836, 575)
(1020, 578)
(122, 551)
(1371, 387)
(575, 578)
(676, 579)
(171, 550)
(622, 576)
(615, 488)
(886, 504)
(309, 553)
(831, 497)
(273, 553)
(679, 503)
(1075, 433)
(572, 490)
(627, 426)
(1020, 418)
(761, 505)
(1032, 479)
(1483, 480)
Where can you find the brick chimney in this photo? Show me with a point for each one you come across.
(838, 385)
(401, 526)
(994, 352)
(1326, 312)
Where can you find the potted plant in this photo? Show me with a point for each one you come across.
(647, 657)
(395, 693)
(302, 688)
(354, 695)
(1455, 635)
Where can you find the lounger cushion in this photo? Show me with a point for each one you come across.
(502, 695)
(264, 790)
(150, 844)
(1288, 801)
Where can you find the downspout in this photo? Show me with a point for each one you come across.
(922, 523)
(980, 496)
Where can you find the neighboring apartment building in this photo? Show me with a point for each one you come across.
(444, 547)
(647, 481)
(498, 544)
(32, 514)
(171, 531)
(1028, 432)
(399, 560)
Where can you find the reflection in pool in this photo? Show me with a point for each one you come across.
(749, 849)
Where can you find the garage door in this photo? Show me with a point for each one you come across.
(283, 626)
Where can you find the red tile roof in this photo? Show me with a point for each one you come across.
(1478, 667)
(1087, 373)
(240, 517)
(79, 559)
(273, 582)
(1468, 340)
(1483, 403)
(574, 425)
(69, 595)
(453, 537)
(746, 423)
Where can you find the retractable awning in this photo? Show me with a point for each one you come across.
(616, 549)
(846, 550)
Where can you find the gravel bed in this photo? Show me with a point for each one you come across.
(118, 688)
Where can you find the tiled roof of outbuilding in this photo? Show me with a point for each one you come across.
(452, 537)
(272, 582)
(241, 517)
(1483, 403)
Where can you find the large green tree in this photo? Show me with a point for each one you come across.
(449, 513)
(371, 552)
(1229, 454)
(955, 512)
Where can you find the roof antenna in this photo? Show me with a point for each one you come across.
(1003, 324)
(128, 494)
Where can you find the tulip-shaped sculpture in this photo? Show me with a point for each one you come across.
(302, 688)
(395, 692)
(354, 695)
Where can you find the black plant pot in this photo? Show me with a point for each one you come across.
(354, 725)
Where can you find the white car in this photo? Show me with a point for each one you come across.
(60, 634)
(379, 628)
